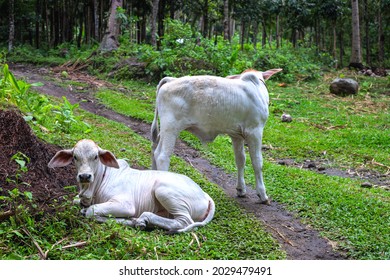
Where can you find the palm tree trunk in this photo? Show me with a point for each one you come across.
(110, 38)
(356, 54)
(153, 26)
(11, 34)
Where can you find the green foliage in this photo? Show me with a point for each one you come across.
(39, 109)
(22, 160)
(65, 117)
(16, 92)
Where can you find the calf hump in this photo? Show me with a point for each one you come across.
(251, 77)
(163, 81)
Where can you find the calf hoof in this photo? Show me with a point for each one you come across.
(140, 224)
(241, 193)
(266, 202)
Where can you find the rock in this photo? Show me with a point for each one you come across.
(344, 87)
(366, 185)
(286, 118)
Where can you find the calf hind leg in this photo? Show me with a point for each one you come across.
(149, 219)
(163, 151)
(254, 145)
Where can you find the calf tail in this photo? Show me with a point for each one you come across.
(155, 131)
(209, 217)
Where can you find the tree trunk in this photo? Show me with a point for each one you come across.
(161, 17)
(381, 39)
(264, 34)
(341, 44)
(356, 54)
(226, 21)
(205, 19)
(255, 32)
(367, 39)
(334, 47)
(96, 19)
(37, 15)
(11, 34)
(153, 29)
(278, 35)
(242, 34)
(110, 38)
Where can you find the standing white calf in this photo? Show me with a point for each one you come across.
(208, 106)
(109, 187)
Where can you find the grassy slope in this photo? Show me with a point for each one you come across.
(346, 132)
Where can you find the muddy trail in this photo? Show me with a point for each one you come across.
(298, 240)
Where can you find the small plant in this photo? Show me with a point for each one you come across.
(65, 117)
(22, 160)
(16, 91)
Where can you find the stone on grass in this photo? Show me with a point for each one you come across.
(344, 87)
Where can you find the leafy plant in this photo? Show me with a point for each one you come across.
(65, 117)
(22, 160)
(16, 91)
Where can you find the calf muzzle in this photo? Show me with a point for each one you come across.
(84, 178)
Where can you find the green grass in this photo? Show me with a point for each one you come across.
(349, 132)
(232, 234)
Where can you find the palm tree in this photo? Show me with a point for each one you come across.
(11, 34)
(356, 53)
(110, 38)
(153, 28)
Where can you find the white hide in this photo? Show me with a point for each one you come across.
(135, 197)
(208, 106)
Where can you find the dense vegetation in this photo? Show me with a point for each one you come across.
(325, 26)
(347, 133)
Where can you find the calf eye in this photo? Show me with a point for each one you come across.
(75, 158)
(95, 157)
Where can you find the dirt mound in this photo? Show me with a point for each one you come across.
(45, 184)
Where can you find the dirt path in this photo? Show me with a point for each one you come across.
(298, 240)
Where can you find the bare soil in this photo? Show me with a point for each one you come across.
(45, 184)
(298, 240)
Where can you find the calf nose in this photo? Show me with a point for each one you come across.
(85, 178)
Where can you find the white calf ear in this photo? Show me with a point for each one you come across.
(233, 77)
(107, 158)
(61, 158)
(267, 74)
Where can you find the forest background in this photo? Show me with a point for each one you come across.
(173, 37)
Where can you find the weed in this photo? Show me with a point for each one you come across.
(22, 160)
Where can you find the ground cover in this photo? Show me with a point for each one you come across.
(311, 195)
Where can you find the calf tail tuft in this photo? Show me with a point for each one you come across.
(208, 218)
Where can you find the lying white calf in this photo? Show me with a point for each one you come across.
(109, 187)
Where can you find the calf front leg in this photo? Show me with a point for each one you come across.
(110, 208)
